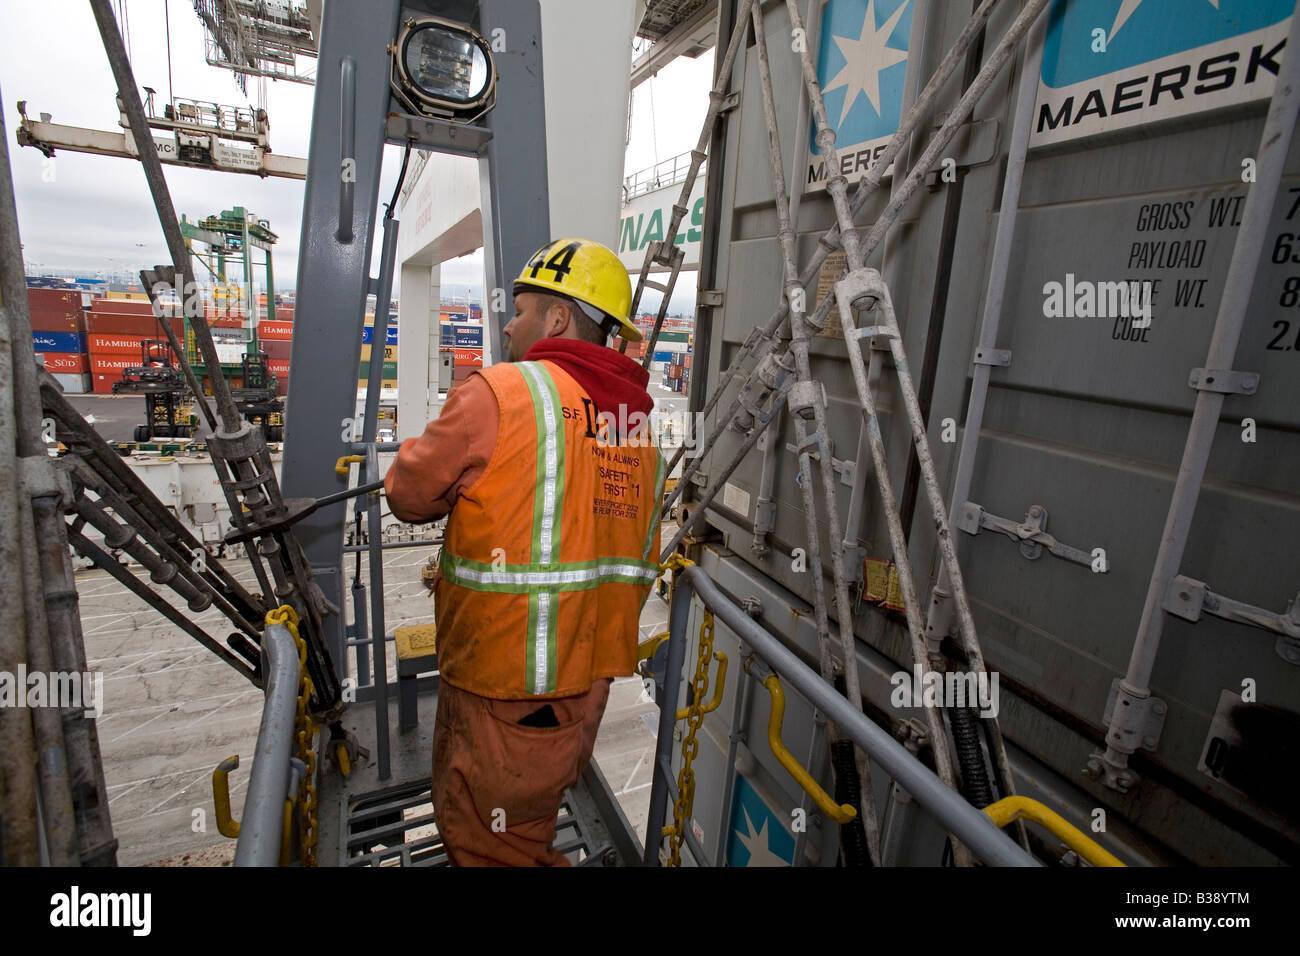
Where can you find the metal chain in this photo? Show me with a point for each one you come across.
(690, 746)
(304, 733)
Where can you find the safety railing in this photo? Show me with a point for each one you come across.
(262, 826)
(964, 821)
(661, 175)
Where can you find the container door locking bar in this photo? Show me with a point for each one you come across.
(1188, 598)
(1031, 534)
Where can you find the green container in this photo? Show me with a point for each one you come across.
(390, 371)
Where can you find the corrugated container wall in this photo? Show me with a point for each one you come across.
(1134, 175)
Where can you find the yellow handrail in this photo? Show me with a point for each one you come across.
(1010, 809)
(647, 648)
(718, 686)
(341, 466)
(227, 825)
(840, 813)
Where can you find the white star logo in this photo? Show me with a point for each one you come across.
(1126, 9)
(866, 58)
(760, 851)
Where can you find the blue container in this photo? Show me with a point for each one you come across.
(468, 336)
(59, 341)
(664, 357)
(368, 335)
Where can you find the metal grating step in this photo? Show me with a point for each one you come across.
(397, 826)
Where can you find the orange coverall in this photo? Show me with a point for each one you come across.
(488, 769)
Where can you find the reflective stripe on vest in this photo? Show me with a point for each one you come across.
(546, 523)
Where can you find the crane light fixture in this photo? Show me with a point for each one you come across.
(443, 69)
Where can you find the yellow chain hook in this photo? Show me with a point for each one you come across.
(685, 801)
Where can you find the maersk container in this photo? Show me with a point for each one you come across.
(1138, 170)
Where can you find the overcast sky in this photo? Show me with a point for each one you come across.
(96, 213)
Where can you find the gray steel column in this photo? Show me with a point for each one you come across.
(513, 179)
(339, 206)
(17, 740)
(710, 240)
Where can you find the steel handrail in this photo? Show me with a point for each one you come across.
(968, 824)
(262, 824)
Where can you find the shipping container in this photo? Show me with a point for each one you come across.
(467, 336)
(146, 326)
(1074, 409)
(57, 320)
(73, 384)
(119, 344)
(121, 307)
(368, 334)
(111, 363)
(59, 341)
(275, 349)
(467, 358)
(101, 383)
(277, 330)
(230, 353)
(53, 300)
(64, 363)
(390, 353)
(390, 372)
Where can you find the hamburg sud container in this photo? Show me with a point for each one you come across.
(1144, 121)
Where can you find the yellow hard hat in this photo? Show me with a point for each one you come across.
(586, 272)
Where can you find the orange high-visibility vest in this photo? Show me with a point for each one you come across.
(549, 556)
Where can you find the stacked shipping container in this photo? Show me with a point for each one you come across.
(59, 336)
(115, 329)
(464, 340)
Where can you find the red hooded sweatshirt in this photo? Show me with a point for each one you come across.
(430, 471)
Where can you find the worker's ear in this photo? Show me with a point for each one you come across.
(557, 319)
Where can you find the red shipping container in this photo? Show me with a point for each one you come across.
(66, 363)
(111, 364)
(62, 320)
(468, 358)
(114, 344)
(102, 384)
(146, 326)
(275, 349)
(282, 331)
(278, 367)
(54, 300)
(122, 306)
